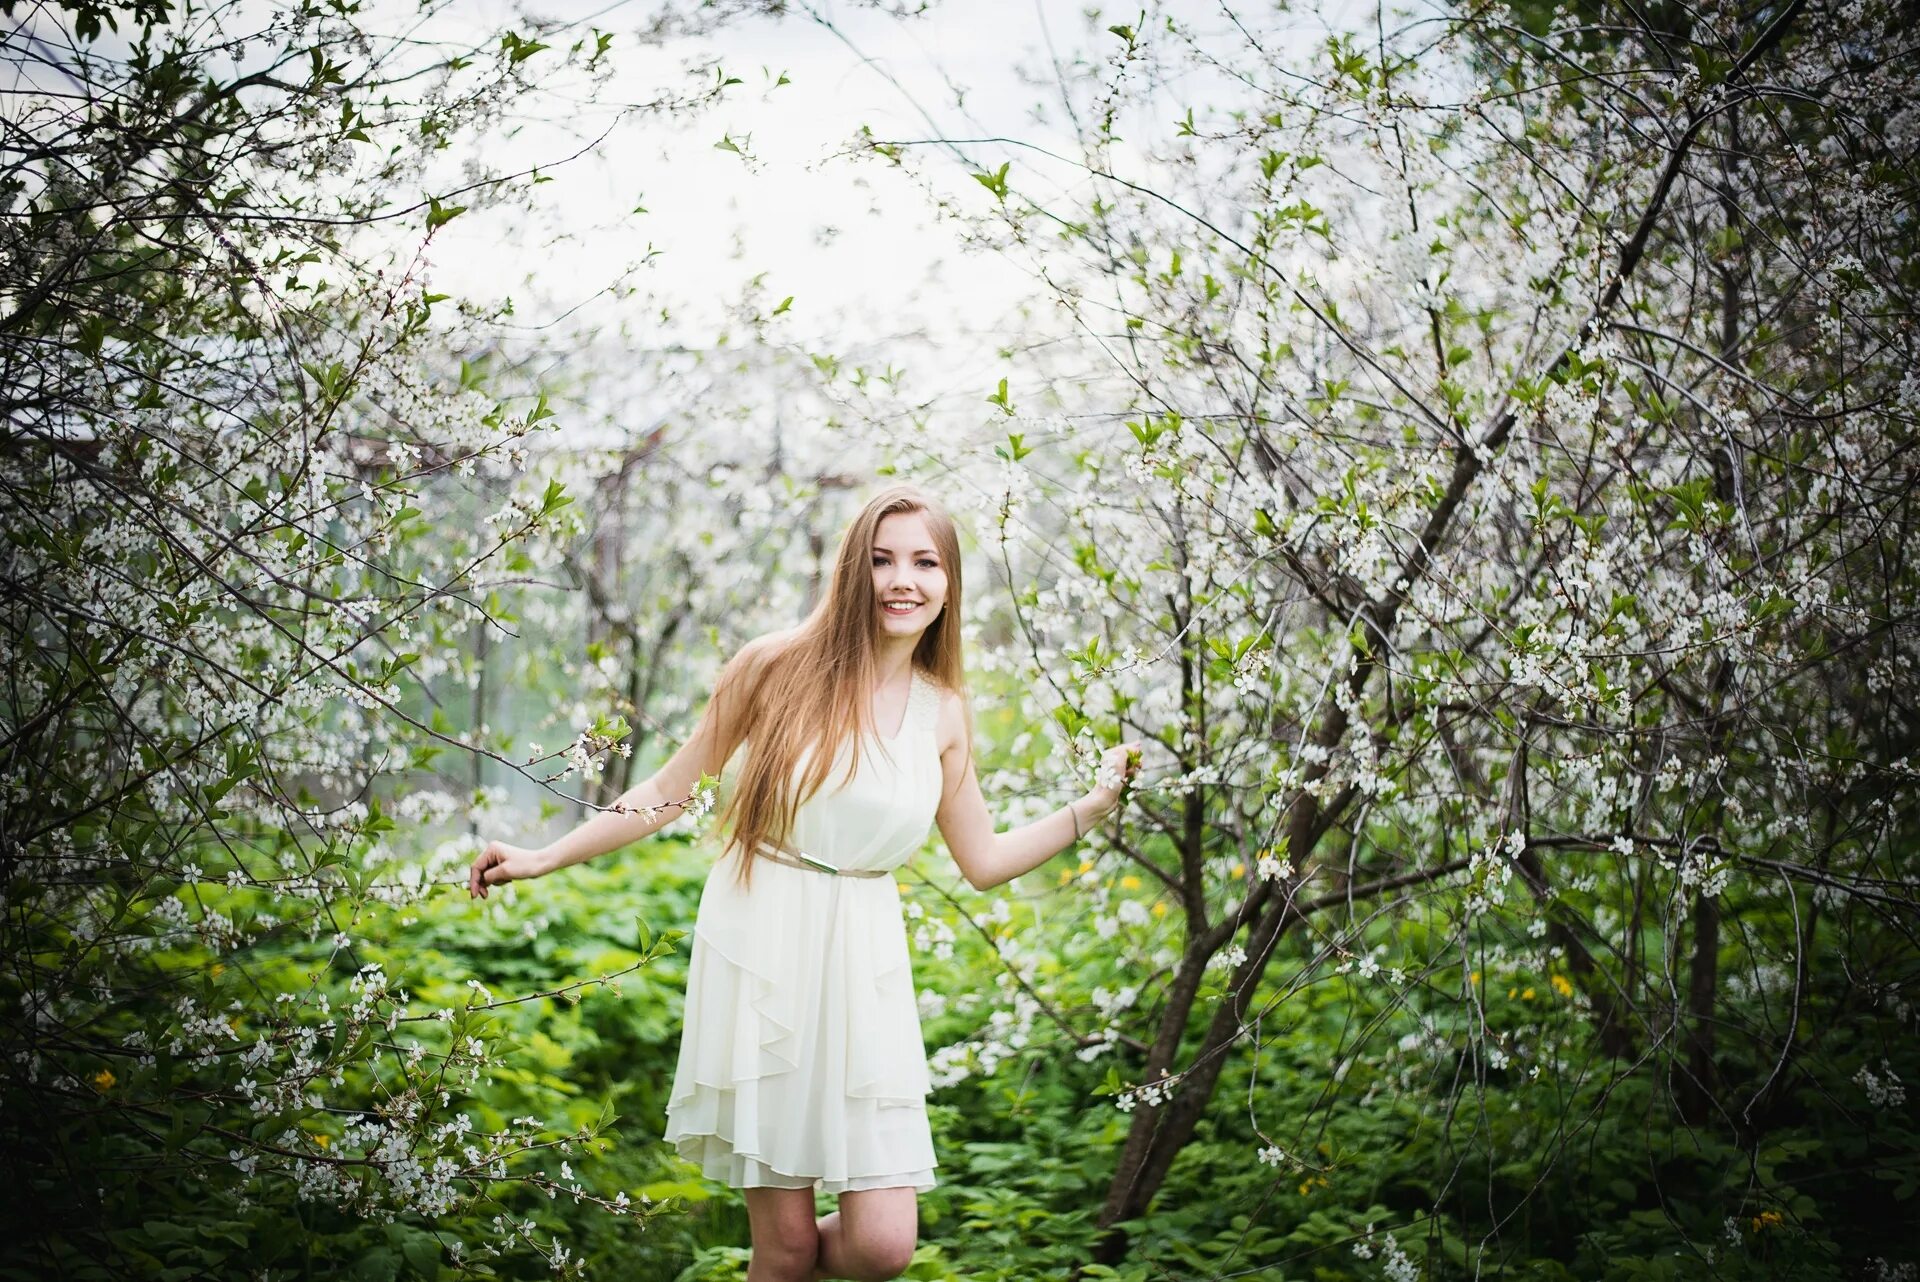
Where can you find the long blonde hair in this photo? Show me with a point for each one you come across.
(806, 690)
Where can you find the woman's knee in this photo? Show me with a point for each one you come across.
(785, 1256)
(788, 1250)
(884, 1257)
(786, 1239)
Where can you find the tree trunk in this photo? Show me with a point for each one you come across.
(1696, 1086)
(1174, 1124)
(1200, 947)
(1695, 1093)
(1157, 1138)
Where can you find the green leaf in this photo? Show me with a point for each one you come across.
(1015, 450)
(333, 380)
(518, 50)
(378, 1265)
(420, 1249)
(438, 213)
(1000, 398)
(995, 182)
(93, 333)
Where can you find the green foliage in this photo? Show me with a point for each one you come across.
(995, 182)
(1472, 1168)
(1559, 643)
(235, 445)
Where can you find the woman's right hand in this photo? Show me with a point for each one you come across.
(1118, 765)
(500, 862)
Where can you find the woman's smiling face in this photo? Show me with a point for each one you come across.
(907, 569)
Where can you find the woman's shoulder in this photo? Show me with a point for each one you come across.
(950, 710)
(931, 679)
(739, 689)
(754, 655)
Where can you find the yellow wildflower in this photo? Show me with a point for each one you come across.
(1768, 1220)
(217, 968)
(1239, 870)
(1159, 908)
(904, 887)
(1526, 994)
(1086, 865)
(1512, 993)
(103, 1080)
(322, 1139)
(1129, 882)
(1066, 875)
(1561, 985)
(1474, 978)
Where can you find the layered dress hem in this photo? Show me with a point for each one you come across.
(801, 1059)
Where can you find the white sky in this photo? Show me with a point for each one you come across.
(851, 240)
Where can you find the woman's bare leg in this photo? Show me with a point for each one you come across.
(870, 1237)
(786, 1239)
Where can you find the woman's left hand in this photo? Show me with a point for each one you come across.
(1118, 765)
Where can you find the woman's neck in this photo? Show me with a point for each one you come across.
(892, 657)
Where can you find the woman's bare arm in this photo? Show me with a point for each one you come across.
(987, 858)
(645, 808)
(639, 812)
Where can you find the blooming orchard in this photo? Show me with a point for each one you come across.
(1486, 496)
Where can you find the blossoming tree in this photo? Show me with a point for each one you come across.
(1481, 444)
(256, 508)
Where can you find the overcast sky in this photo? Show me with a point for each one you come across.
(851, 240)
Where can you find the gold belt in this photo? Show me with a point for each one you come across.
(784, 854)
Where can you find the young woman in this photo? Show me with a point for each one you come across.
(801, 1064)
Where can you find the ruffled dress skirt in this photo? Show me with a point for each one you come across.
(801, 1063)
(801, 1060)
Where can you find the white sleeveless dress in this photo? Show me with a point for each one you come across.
(801, 1061)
